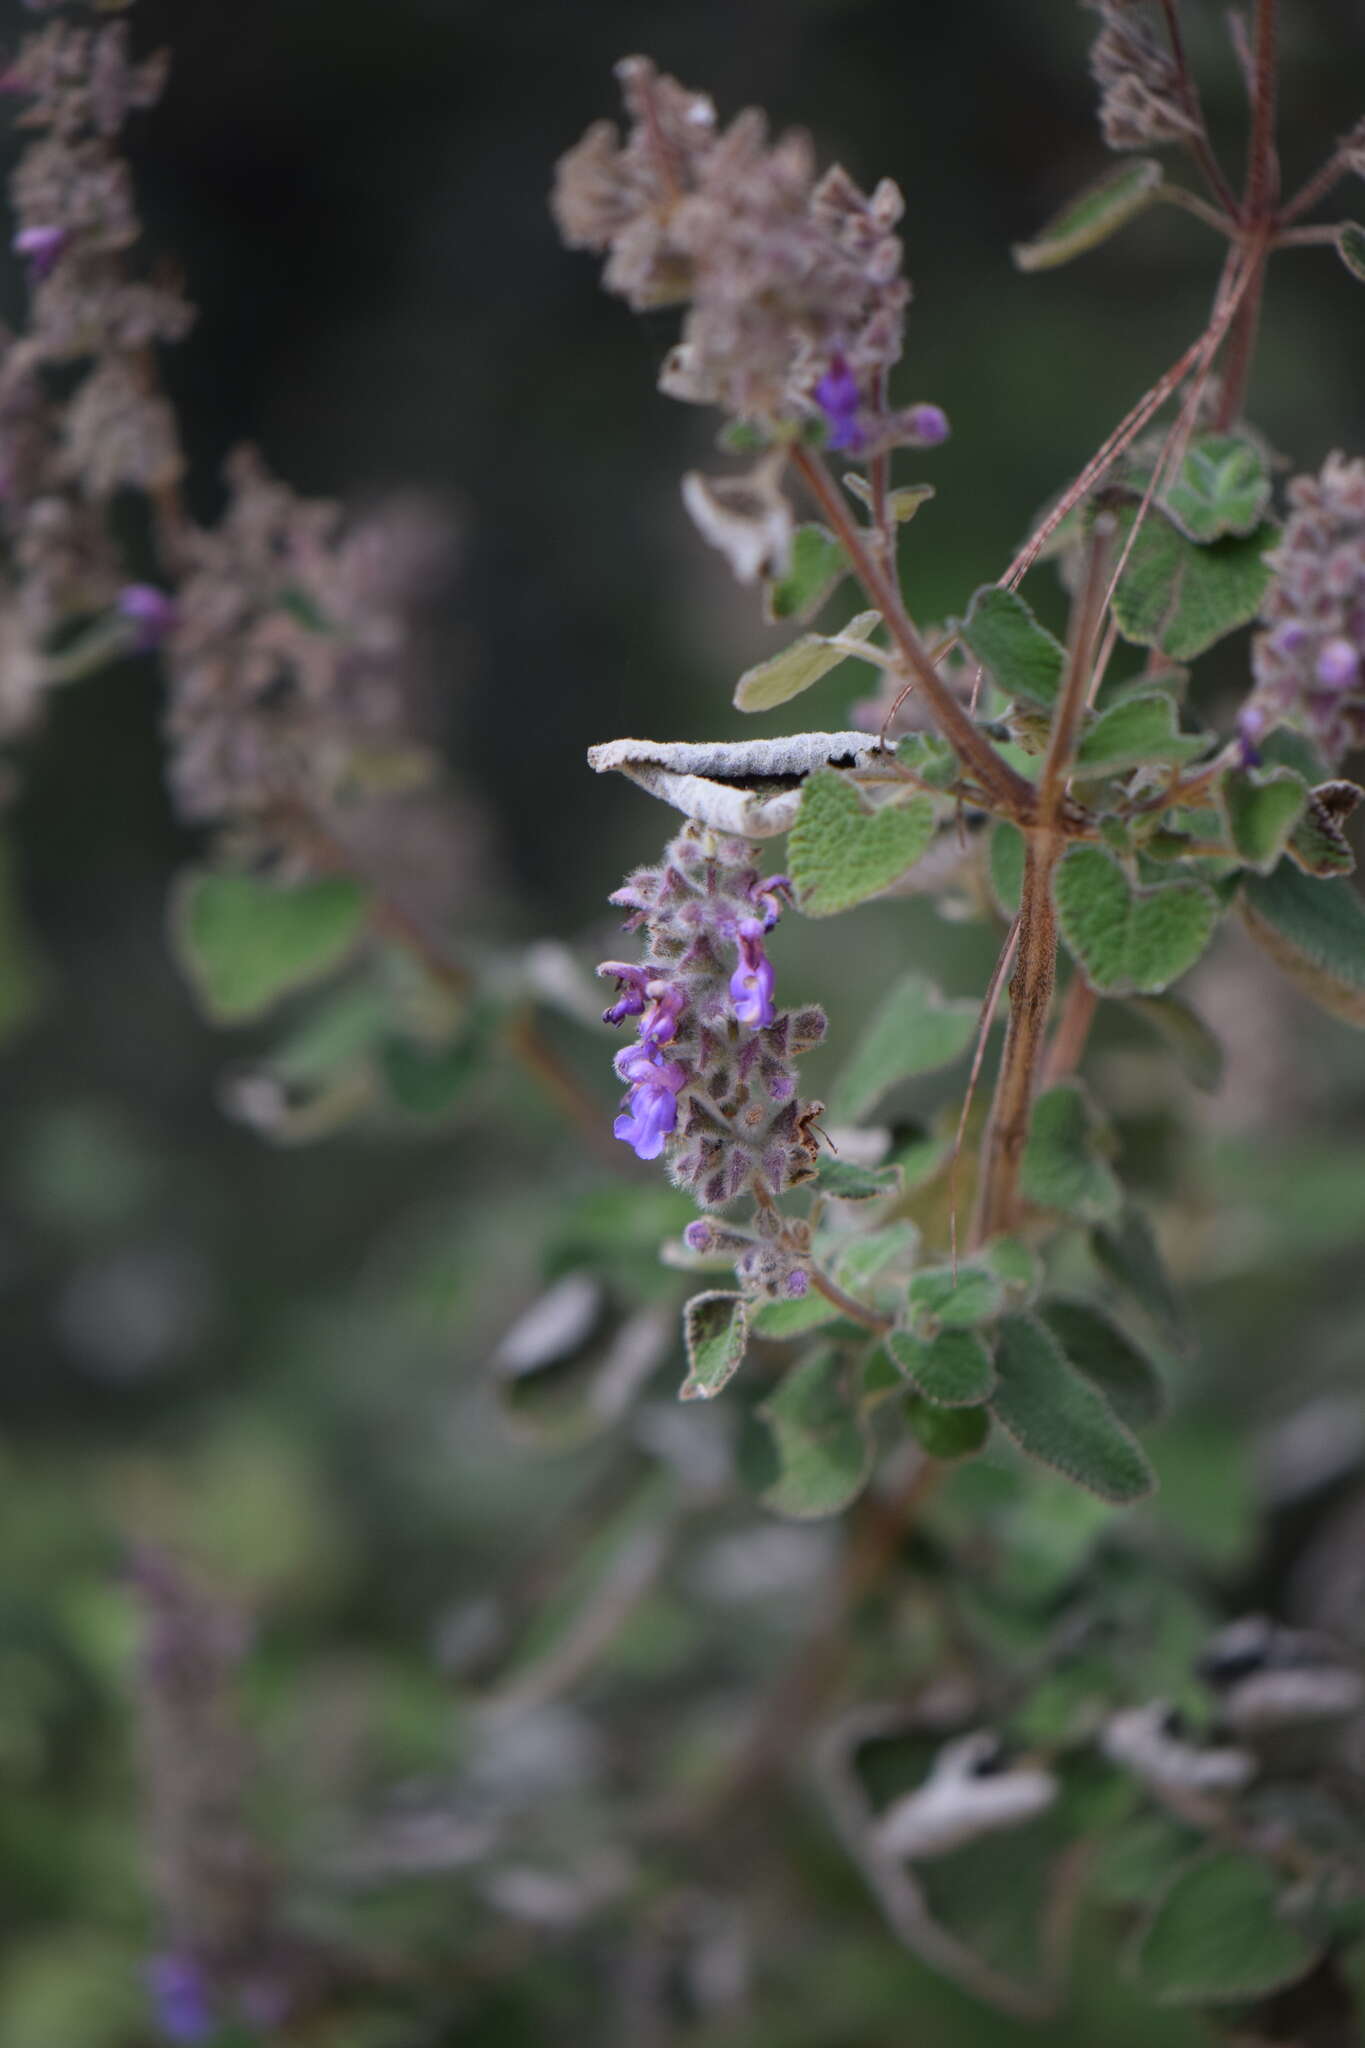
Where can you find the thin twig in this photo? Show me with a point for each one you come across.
(1315, 189)
(1201, 149)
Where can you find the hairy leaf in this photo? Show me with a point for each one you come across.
(817, 565)
(859, 1263)
(1318, 843)
(841, 851)
(1062, 1167)
(1182, 597)
(1351, 248)
(952, 1369)
(1090, 218)
(912, 1031)
(786, 675)
(1096, 1346)
(1007, 866)
(821, 1444)
(1222, 488)
(1129, 940)
(1138, 729)
(1262, 807)
(780, 1319)
(941, 1298)
(929, 757)
(245, 942)
(716, 1328)
(1216, 1935)
(1023, 658)
(947, 1432)
(850, 1183)
(1314, 931)
(1059, 1418)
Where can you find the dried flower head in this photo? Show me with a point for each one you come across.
(1140, 99)
(1309, 663)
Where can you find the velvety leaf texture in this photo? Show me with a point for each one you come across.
(1062, 1168)
(1128, 939)
(1351, 248)
(817, 565)
(1107, 1355)
(1262, 807)
(787, 674)
(1092, 216)
(1222, 488)
(1061, 1419)
(245, 942)
(716, 1328)
(912, 1031)
(1022, 657)
(1314, 931)
(841, 851)
(952, 1369)
(947, 1433)
(1183, 597)
(822, 1449)
(1217, 1936)
(955, 1300)
(1138, 729)
(1129, 1253)
(850, 1183)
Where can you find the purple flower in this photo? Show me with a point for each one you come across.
(149, 611)
(1338, 665)
(926, 426)
(667, 1005)
(798, 1283)
(1251, 724)
(751, 984)
(767, 895)
(840, 400)
(630, 990)
(41, 247)
(650, 1111)
(180, 1996)
(698, 1237)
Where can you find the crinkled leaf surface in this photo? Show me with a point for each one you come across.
(1314, 931)
(245, 942)
(1182, 597)
(1096, 1346)
(786, 675)
(1092, 216)
(912, 1031)
(1217, 1935)
(1062, 1166)
(1129, 940)
(821, 1445)
(1141, 728)
(955, 1300)
(841, 850)
(952, 1369)
(1061, 1419)
(850, 1183)
(1023, 658)
(716, 1329)
(1222, 488)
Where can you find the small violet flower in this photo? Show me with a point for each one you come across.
(650, 1111)
(1338, 666)
(1251, 725)
(667, 1005)
(840, 400)
(767, 895)
(630, 990)
(752, 983)
(926, 426)
(149, 611)
(40, 247)
(180, 1996)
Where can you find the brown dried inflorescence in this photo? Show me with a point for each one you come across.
(782, 273)
(1140, 98)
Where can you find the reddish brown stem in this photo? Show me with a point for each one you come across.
(856, 1311)
(1073, 1029)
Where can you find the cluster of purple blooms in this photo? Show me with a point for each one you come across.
(853, 428)
(711, 1073)
(1309, 663)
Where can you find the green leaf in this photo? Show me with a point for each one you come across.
(871, 1252)
(1318, 844)
(850, 1183)
(953, 1369)
(1222, 488)
(783, 1319)
(1062, 1168)
(1129, 940)
(1129, 1253)
(1262, 807)
(912, 1031)
(818, 564)
(786, 675)
(1216, 1935)
(1181, 597)
(1196, 1048)
(931, 758)
(822, 1449)
(1108, 1356)
(942, 1299)
(1059, 1418)
(840, 851)
(245, 942)
(1007, 866)
(1014, 1265)
(1136, 730)
(1351, 248)
(902, 504)
(1095, 214)
(1314, 931)
(947, 1432)
(1023, 658)
(428, 1080)
(715, 1329)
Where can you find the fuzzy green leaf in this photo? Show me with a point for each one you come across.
(912, 1031)
(1062, 1169)
(1014, 1265)
(1023, 658)
(1216, 1935)
(929, 757)
(783, 1319)
(821, 1446)
(947, 1432)
(850, 1183)
(1186, 1034)
(786, 675)
(942, 1299)
(818, 564)
(841, 851)
(1129, 940)
(1181, 597)
(1136, 730)
(1059, 1418)
(871, 1251)
(716, 1329)
(1314, 931)
(1090, 218)
(1006, 866)
(952, 1369)
(1351, 248)
(245, 942)
(1107, 1355)
(1222, 488)
(901, 504)
(1262, 807)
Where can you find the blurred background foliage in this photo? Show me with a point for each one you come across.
(276, 1361)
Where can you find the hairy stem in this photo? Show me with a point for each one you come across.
(856, 1311)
